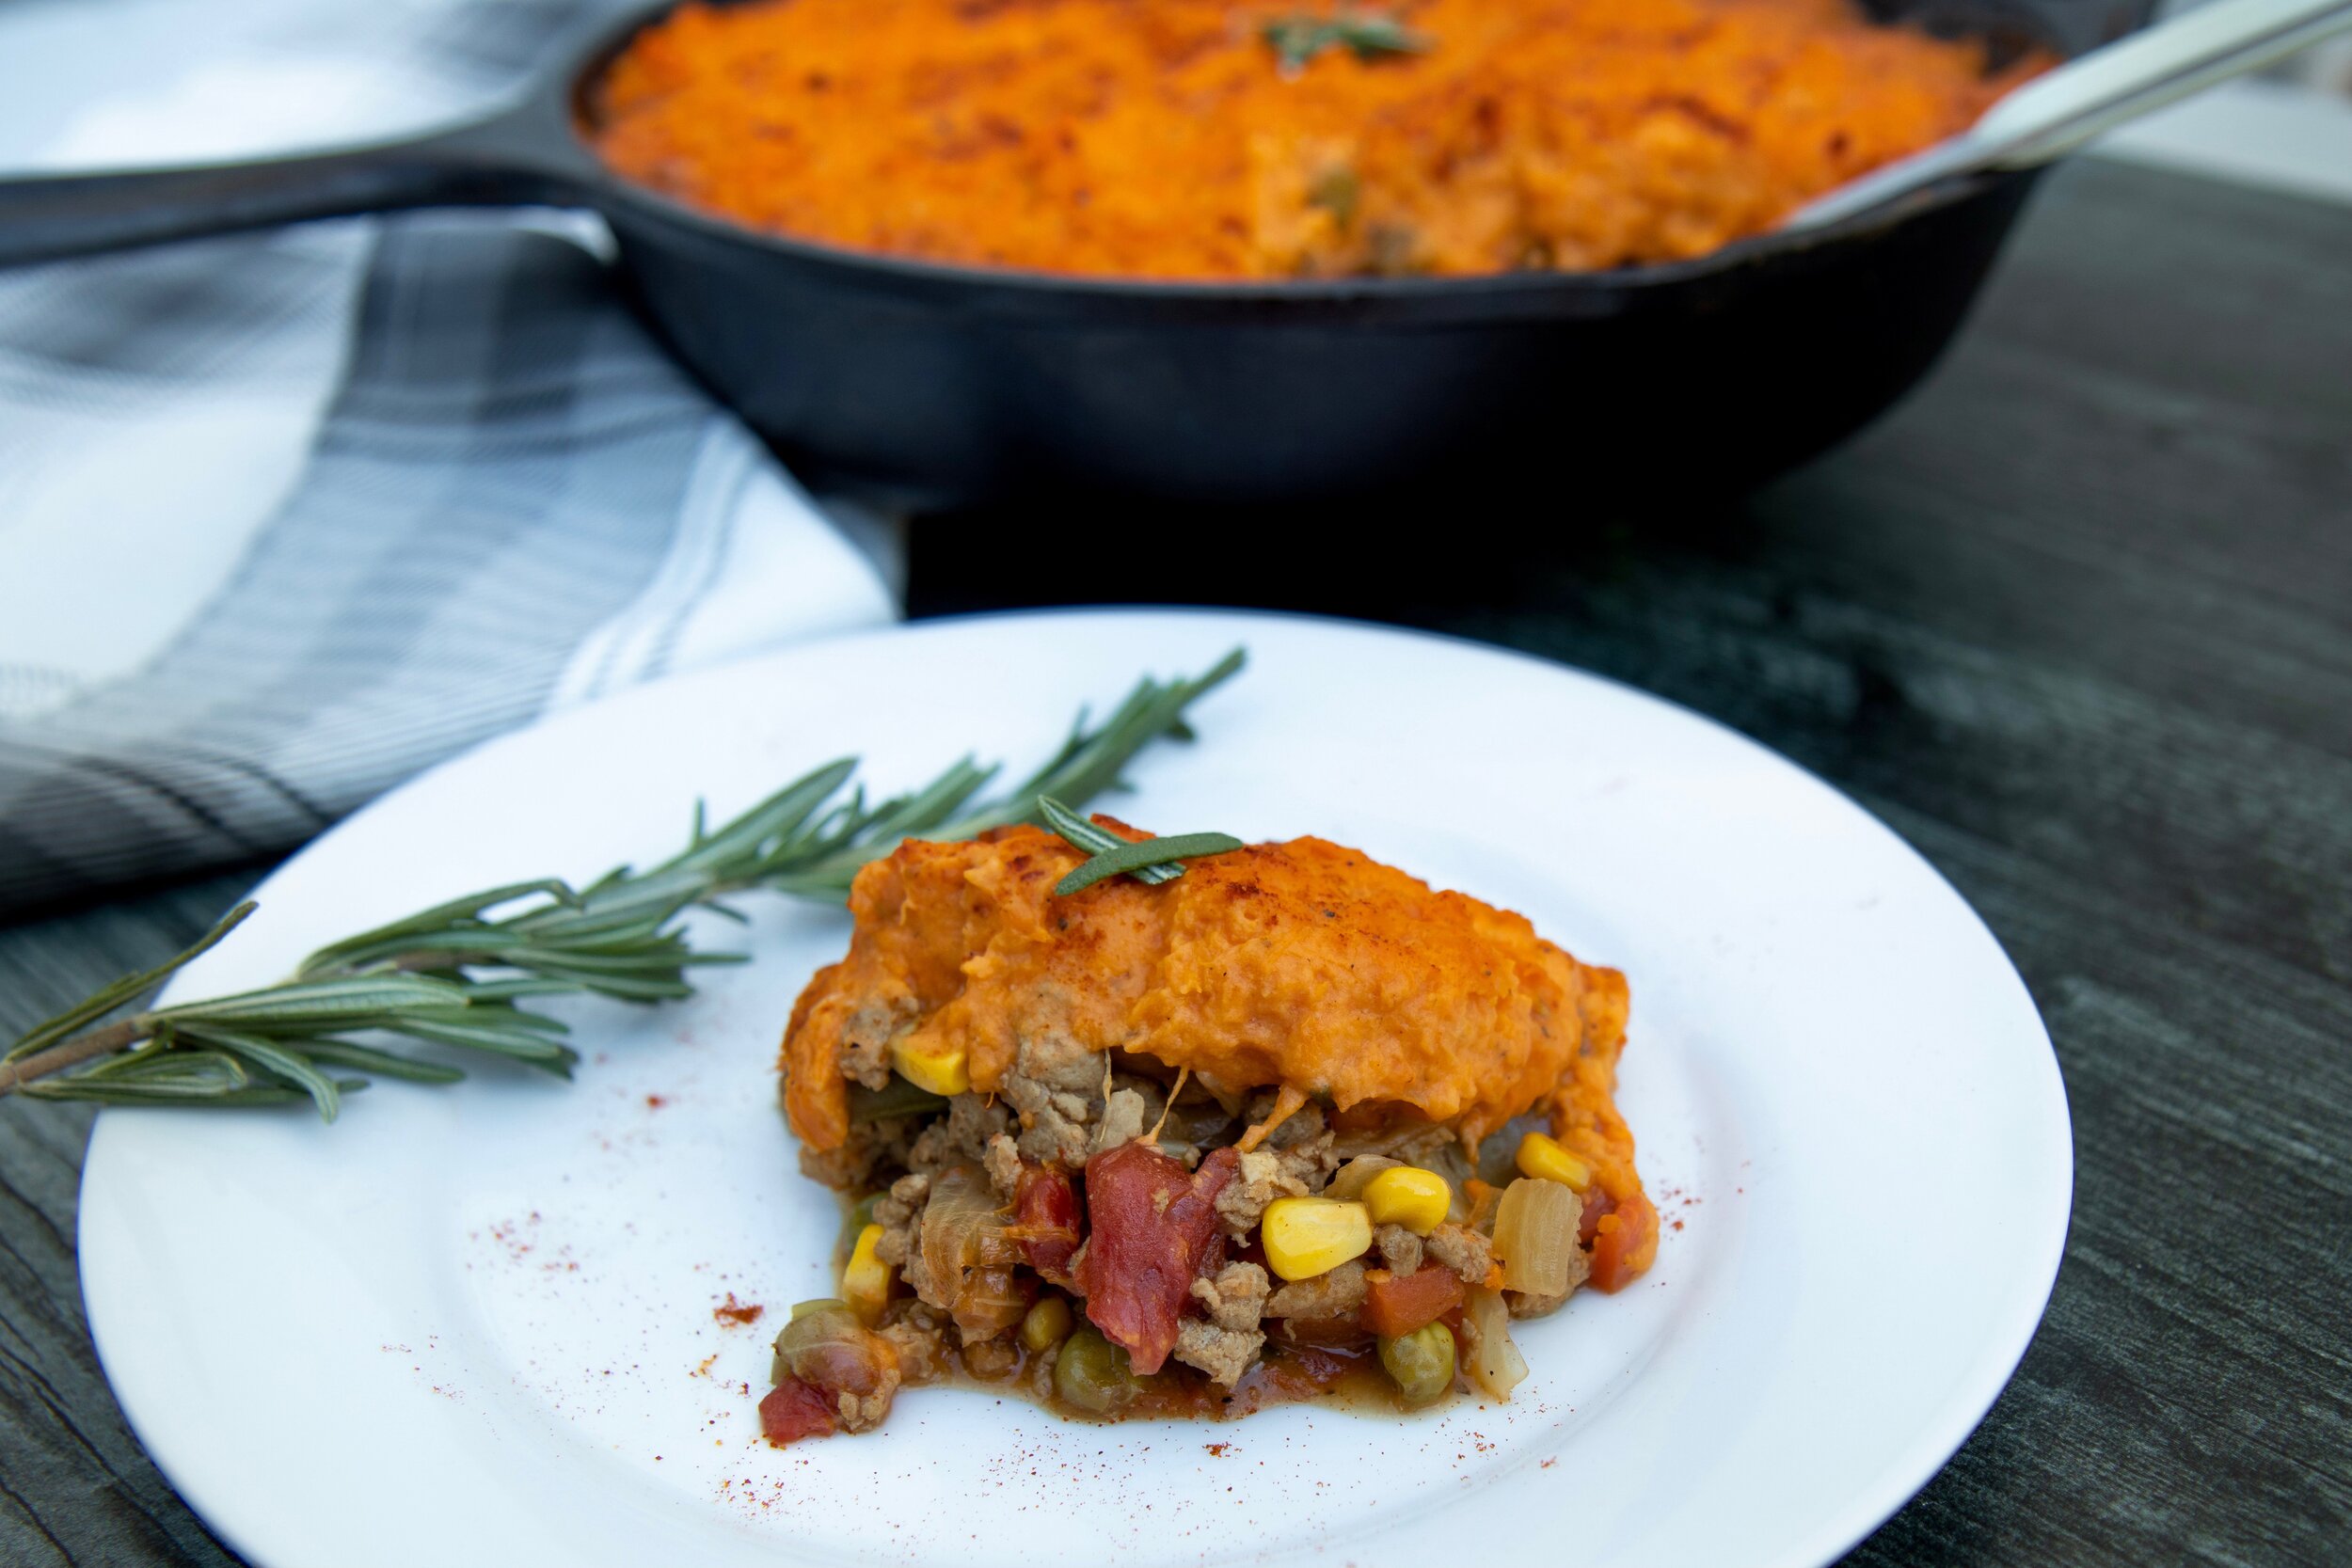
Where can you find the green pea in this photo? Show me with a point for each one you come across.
(1091, 1373)
(1421, 1363)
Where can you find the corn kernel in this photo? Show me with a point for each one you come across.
(1047, 1324)
(930, 1065)
(1348, 1185)
(1407, 1196)
(1308, 1236)
(866, 1278)
(1542, 1158)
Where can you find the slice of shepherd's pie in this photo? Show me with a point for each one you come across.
(1287, 1123)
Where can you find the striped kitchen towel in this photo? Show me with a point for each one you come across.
(285, 518)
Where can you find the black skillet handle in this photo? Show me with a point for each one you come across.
(520, 155)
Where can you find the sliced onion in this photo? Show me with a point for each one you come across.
(830, 1349)
(1494, 1363)
(969, 1253)
(991, 1302)
(1535, 1236)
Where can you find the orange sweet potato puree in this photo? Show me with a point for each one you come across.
(1303, 965)
(1161, 138)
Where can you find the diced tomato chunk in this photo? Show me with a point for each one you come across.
(1150, 1223)
(1624, 1243)
(1048, 1208)
(794, 1410)
(1398, 1304)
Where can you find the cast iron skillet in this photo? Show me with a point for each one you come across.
(924, 385)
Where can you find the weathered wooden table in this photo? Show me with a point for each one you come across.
(2077, 621)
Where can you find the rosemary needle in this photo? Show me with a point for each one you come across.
(1147, 860)
(1297, 39)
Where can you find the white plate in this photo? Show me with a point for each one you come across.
(477, 1324)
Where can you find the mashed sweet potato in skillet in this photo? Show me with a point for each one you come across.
(1171, 138)
(1125, 1144)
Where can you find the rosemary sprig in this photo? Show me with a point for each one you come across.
(1297, 39)
(456, 975)
(1147, 860)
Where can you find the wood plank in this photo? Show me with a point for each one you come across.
(75, 1488)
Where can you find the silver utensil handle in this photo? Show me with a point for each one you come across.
(2057, 113)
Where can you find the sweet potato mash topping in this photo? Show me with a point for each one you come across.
(1303, 966)
(1166, 138)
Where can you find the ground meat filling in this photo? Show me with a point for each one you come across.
(870, 1151)
(1400, 1249)
(898, 1211)
(1467, 1252)
(1056, 1087)
(866, 1035)
(1236, 1298)
(1224, 1353)
(1002, 1161)
(1062, 1112)
(1328, 1297)
(864, 1412)
(1123, 1117)
(961, 1137)
(920, 1342)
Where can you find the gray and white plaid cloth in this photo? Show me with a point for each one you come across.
(285, 518)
